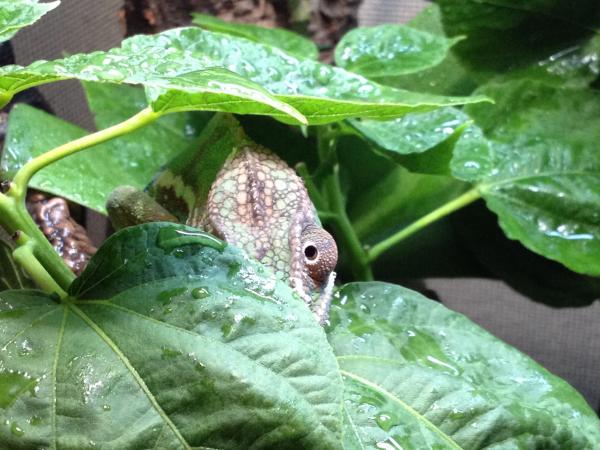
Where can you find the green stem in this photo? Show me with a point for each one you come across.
(313, 191)
(468, 197)
(14, 217)
(329, 169)
(21, 180)
(358, 257)
(24, 256)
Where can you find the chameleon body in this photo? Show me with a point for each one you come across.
(255, 202)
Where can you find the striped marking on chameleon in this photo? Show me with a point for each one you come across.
(169, 180)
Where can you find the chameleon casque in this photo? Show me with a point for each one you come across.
(246, 195)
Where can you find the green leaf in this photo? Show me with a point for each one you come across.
(421, 142)
(16, 14)
(539, 168)
(390, 50)
(88, 177)
(170, 341)
(575, 66)
(505, 34)
(290, 42)
(420, 376)
(449, 77)
(113, 103)
(190, 68)
(11, 275)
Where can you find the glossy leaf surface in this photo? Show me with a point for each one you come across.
(292, 43)
(171, 341)
(505, 34)
(418, 376)
(89, 176)
(16, 14)
(190, 68)
(422, 142)
(539, 168)
(390, 50)
(449, 77)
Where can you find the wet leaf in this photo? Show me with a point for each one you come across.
(190, 68)
(574, 66)
(16, 14)
(418, 376)
(506, 34)
(391, 50)
(171, 340)
(421, 142)
(537, 165)
(88, 177)
(449, 77)
(292, 43)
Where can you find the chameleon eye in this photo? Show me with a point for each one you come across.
(320, 253)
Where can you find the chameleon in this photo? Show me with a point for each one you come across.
(255, 202)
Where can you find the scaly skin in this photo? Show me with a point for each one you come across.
(259, 204)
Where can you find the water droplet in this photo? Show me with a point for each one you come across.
(323, 74)
(16, 430)
(200, 293)
(34, 421)
(170, 238)
(386, 420)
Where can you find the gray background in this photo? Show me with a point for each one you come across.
(565, 340)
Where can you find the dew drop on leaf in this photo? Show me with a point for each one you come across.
(200, 293)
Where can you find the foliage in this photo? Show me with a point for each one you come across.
(292, 43)
(173, 339)
(16, 14)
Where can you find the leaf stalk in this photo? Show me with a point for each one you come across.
(37, 255)
(459, 202)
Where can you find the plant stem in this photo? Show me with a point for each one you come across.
(359, 261)
(454, 205)
(21, 180)
(329, 169)
(24, 255)
(15, 218)
(39, 255)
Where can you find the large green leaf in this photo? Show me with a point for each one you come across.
(419, 376)
(540, 169)
(292, 43)
(190, 68)
(391, 50)
(16, 14)
(575, 66)
(422, 142)
(170, 341)
(504, 34)
(449, 77)
(88, 177)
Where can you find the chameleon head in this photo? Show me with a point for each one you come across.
(259, 204)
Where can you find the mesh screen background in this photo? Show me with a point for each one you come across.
(75, 26)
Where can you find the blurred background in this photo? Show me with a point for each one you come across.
(564, 338)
